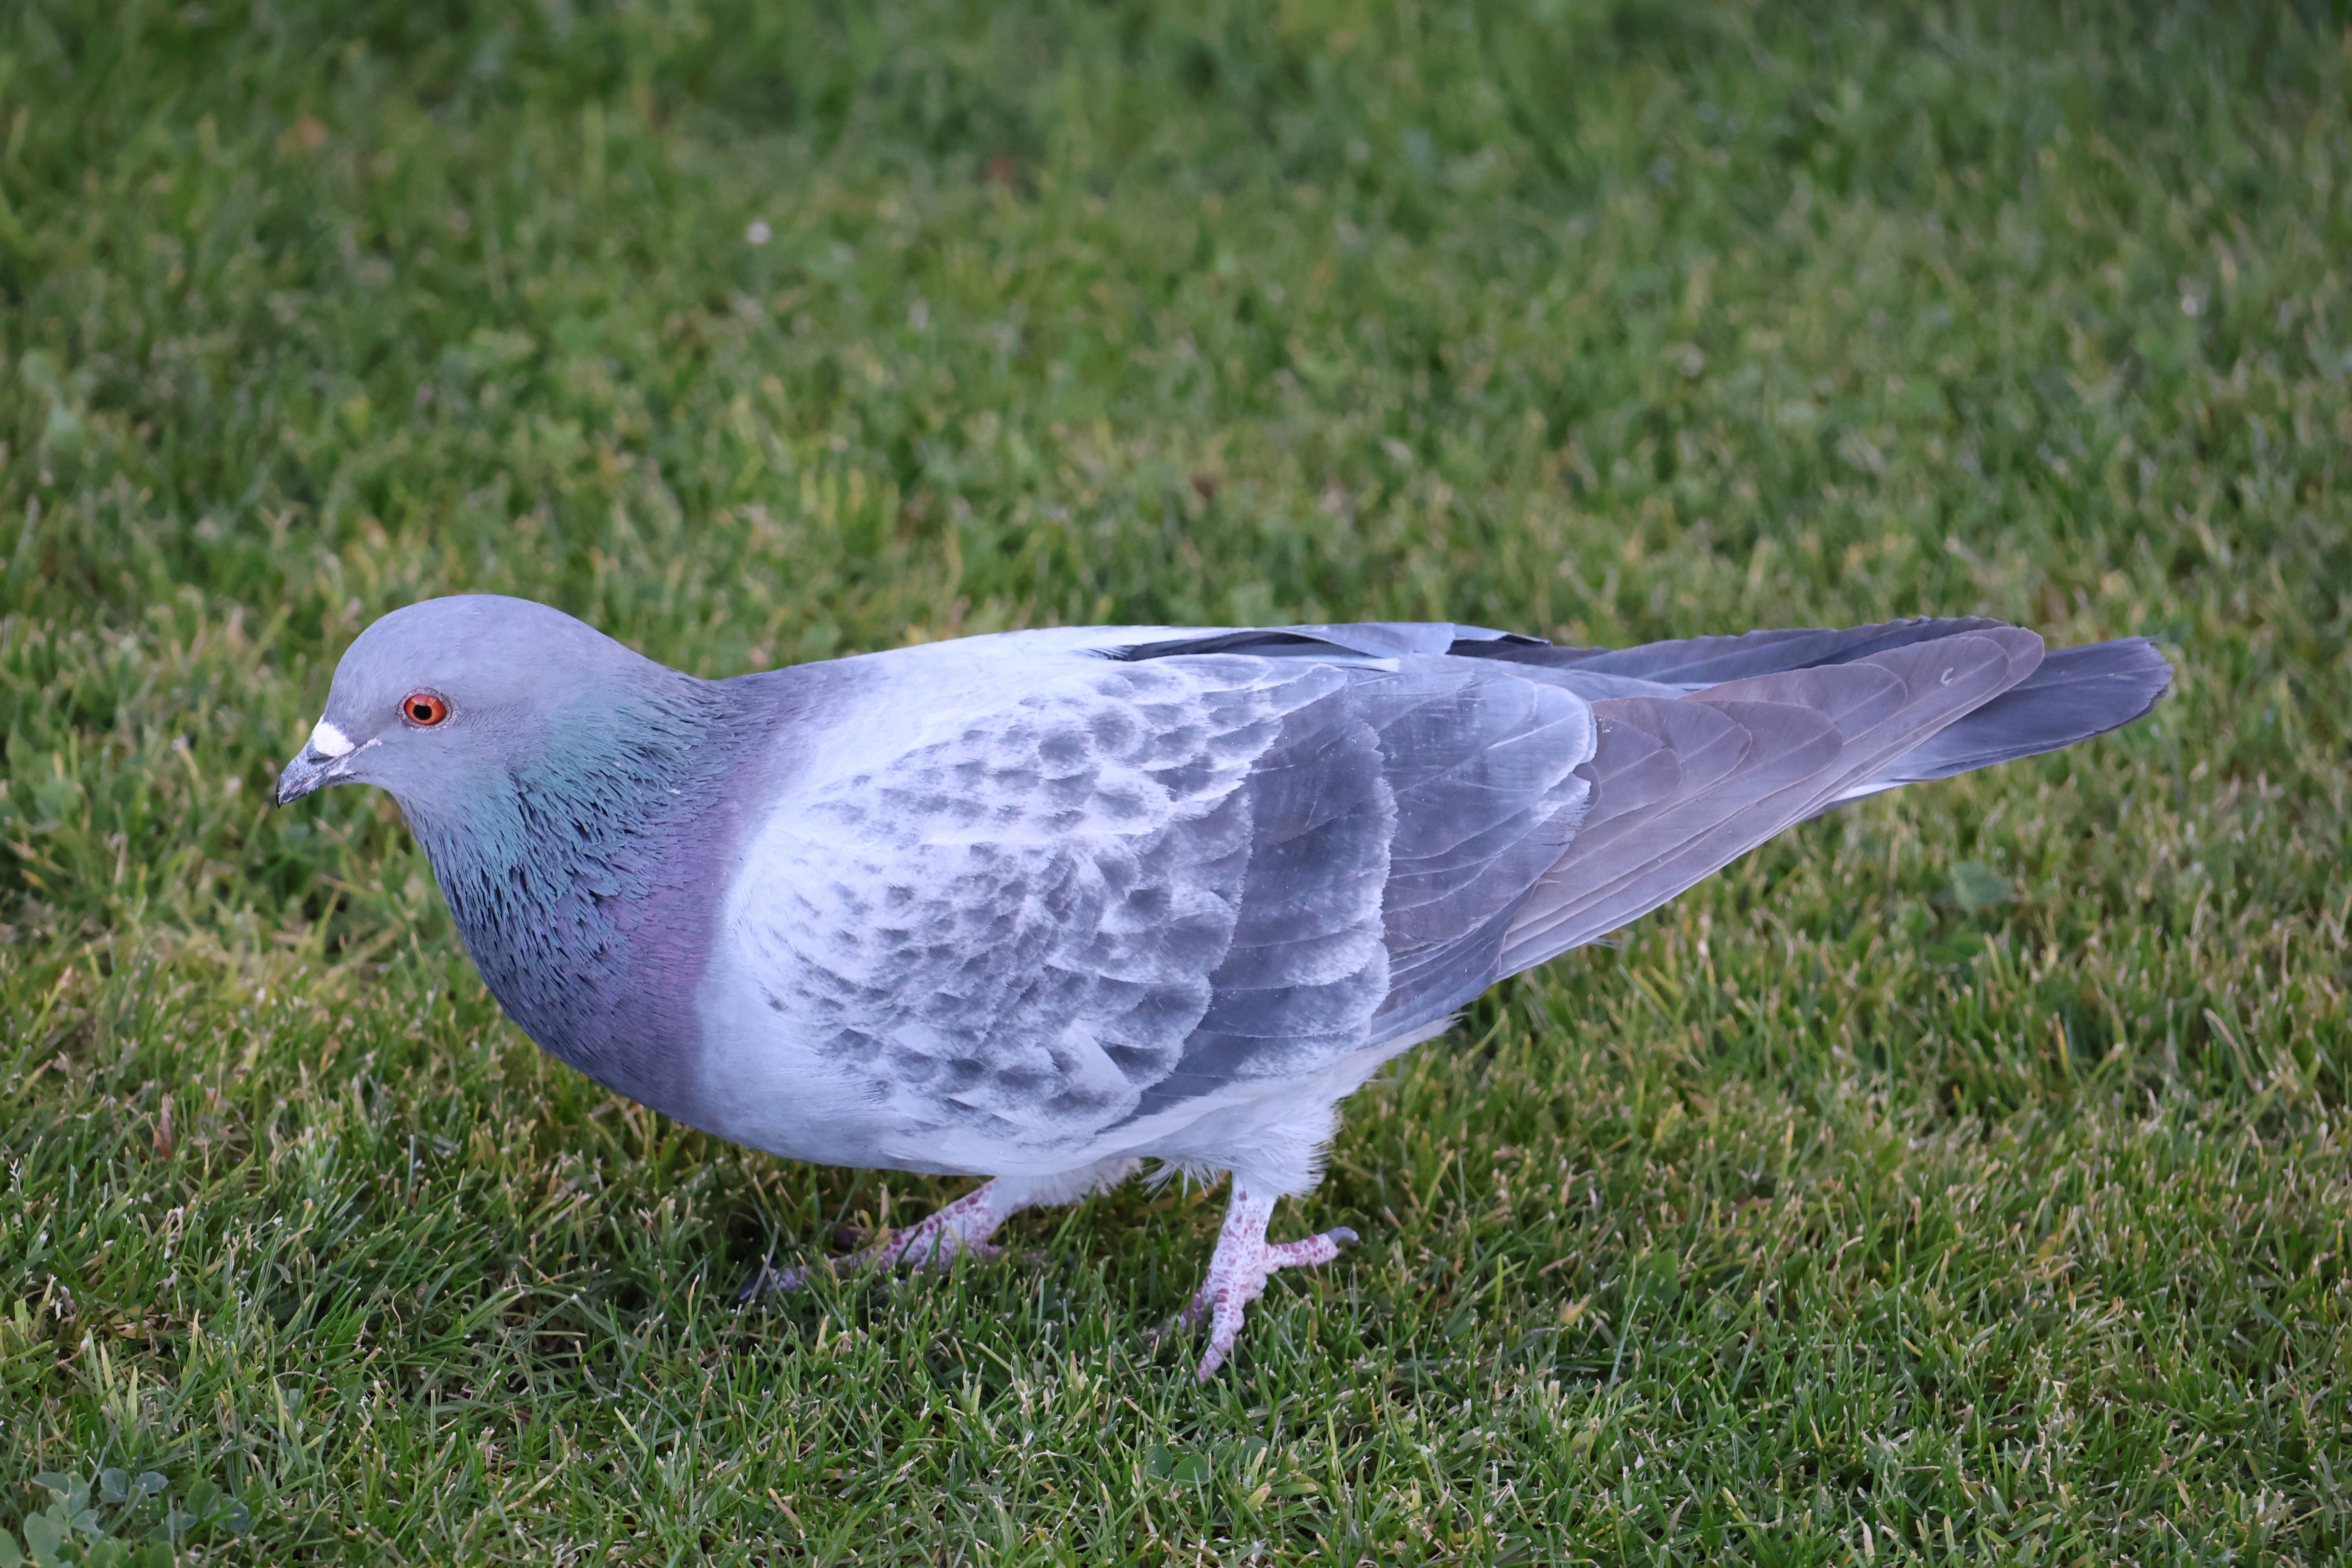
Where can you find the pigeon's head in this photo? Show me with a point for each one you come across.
(441, 700)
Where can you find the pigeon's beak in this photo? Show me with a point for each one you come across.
(321, 763)
(303, 774)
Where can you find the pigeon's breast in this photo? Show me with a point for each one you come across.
(596, 949)
(590, 894)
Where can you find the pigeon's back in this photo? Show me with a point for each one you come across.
(1046, 898)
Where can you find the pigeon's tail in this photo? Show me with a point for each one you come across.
(1707, 748)
(2075, 694)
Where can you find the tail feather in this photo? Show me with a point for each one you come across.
(2078, 692)
(1797, 722)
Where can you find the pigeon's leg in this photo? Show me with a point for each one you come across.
(962, 1226)
(1244, 1260)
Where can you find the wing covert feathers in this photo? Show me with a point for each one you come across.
(1142, 881)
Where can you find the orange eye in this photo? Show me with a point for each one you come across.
(424, 708)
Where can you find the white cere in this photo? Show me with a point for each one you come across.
(329, 741)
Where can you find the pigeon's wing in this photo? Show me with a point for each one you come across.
(1682, 786)
(1474, 772)
(1134, 882)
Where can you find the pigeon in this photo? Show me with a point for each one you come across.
(1040, 907)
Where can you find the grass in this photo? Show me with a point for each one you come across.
(1964, 1176)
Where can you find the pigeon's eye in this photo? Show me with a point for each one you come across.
(424, 708)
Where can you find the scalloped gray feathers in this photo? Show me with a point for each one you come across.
(1139, 882)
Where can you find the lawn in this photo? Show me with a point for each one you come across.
(1964, 1176)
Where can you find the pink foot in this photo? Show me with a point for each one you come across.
(960, 1230)
(1244, 1260)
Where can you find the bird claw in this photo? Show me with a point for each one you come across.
(962, 1229)
(1244, 1260)
(1238, 1271)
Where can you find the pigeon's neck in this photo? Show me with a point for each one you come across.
(585, 881)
